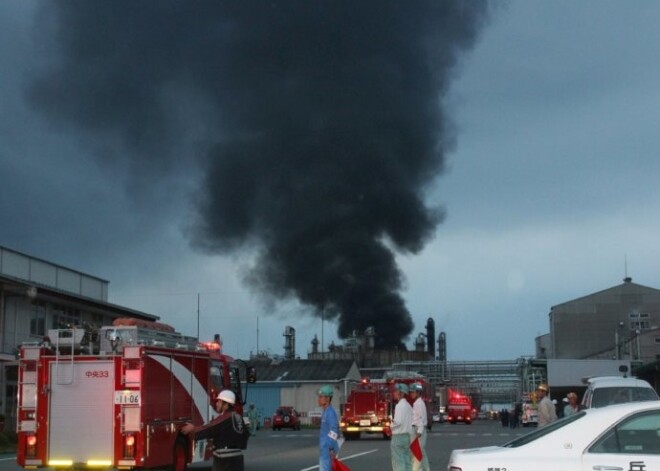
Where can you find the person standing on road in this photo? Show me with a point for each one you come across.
(402, 430)
(253, 416)
(572, 407)
(328, 445)
(419, 422)
(228, 431)
(546, 410)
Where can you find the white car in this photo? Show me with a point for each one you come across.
(606, 390)
(624, 437)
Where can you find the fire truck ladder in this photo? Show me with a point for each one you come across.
(65, 342)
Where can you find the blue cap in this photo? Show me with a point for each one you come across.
(401, 387)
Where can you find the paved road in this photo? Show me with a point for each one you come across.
(297, 451)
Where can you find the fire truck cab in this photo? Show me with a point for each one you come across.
(118, 398)
(367, 409)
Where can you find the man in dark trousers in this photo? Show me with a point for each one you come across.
(228, 432)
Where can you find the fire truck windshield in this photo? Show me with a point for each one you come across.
(232, 380)
(216, 377)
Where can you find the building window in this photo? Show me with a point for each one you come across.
(38, 320)
(639, 321)
(640, 325)
(65, 317)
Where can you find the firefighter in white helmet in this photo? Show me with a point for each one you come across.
(228, 432)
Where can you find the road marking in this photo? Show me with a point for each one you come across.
(344, 458)
(7, 459)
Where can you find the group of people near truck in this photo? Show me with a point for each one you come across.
(229, 433)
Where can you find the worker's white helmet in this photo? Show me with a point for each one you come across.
(227, 396)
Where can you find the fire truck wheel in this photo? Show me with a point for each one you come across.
(180, 455)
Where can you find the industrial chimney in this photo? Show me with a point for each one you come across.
(370, 334)
(442, 346)
(420, 342)
(430, 337)
(289, 343)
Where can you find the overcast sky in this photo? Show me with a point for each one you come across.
(550, 187)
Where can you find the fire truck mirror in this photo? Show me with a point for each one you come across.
(251, 374)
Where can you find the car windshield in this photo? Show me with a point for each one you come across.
(543, 431)
(620, 394)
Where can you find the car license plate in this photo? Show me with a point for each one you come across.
(365, 423)
(127, 397)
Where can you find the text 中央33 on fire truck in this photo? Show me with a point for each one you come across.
(120, 400)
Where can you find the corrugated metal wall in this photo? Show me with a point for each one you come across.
(265, 397)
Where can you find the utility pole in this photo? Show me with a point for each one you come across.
(197, 316)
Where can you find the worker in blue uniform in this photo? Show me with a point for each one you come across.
(328, 445)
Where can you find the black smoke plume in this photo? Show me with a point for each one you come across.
(321, 120)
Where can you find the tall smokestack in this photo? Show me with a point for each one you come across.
(289, 343)
(315, 344)
(442, 347)
(317, 126)
(430, 337)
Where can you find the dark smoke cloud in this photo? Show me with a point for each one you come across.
(326, 128)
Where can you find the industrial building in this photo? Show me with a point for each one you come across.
(296, 382)
(622, 322)
(602, 333)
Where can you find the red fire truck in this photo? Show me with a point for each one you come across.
(118, 398)
(367, 409)
(459, 407)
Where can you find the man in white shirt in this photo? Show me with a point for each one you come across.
(546, 409)
(420, 421)
(402, 430)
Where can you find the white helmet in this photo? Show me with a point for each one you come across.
(227, 396)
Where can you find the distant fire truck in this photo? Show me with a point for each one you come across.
(118, 398)
(367, 409)
(459, 407)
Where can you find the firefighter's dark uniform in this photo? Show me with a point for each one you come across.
(230, 436)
